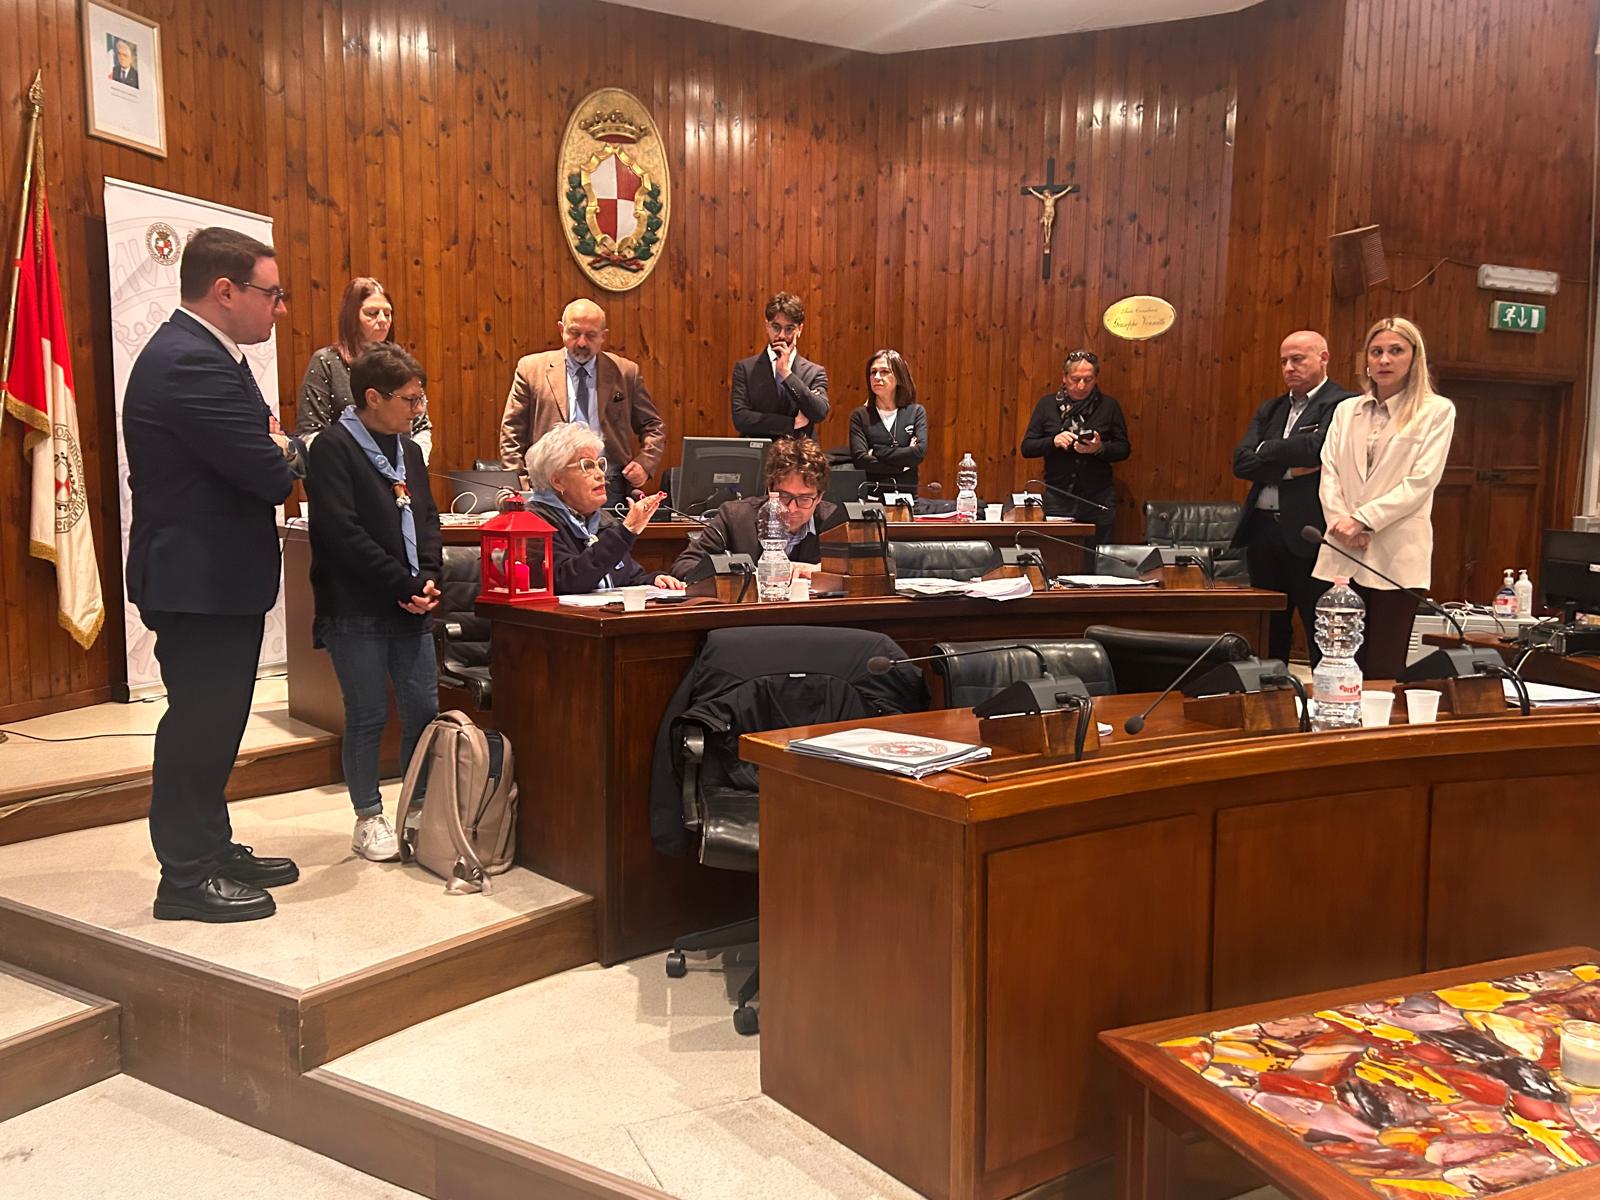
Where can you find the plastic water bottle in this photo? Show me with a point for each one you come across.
(1505, 600)
(774, 569)
(1336, 682)
(1524, 591)
(967, 488)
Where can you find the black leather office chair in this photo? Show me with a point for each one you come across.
(1198, 523)
(974, 678)
(961, 560)
(1147, 660)
(704, 797)
(461, 637)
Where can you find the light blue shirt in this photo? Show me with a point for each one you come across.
(794, 539)
(591, 369)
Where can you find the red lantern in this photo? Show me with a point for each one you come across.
(516, 565)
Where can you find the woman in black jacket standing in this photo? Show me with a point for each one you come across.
(1079, 432)
(375, 566)
(889, 433)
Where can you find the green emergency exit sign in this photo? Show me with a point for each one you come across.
(1517, 318)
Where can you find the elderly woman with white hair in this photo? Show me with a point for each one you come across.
(591, 547)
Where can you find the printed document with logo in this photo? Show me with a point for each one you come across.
(900, 753)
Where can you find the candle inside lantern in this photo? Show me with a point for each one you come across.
(519, 576)
(1580, 1053)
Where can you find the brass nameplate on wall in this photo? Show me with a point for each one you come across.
(614, 191)
(1139, 318)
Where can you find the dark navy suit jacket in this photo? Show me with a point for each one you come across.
(205, 476)
(1263, 456)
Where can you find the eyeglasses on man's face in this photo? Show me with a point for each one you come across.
(416, 400)
(800, 500)
(588, 465)
(279, 296)
(782, 328)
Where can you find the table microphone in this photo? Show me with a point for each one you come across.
(1314, 535)
(1136, 723)
(1061, 491)
(878, 664)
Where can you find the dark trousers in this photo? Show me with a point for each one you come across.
(1390, 614)
(1277, 568)
(208, 666)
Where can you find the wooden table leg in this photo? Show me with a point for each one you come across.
(1149, 1153)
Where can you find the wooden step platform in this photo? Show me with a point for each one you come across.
(234, 1016)
(54, 1040)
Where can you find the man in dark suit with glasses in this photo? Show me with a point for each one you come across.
(207, 468)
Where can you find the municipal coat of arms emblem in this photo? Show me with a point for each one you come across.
(614, 190)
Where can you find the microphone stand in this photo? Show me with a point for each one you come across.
(1061, 491)
(1016, 544)
(1135, 723)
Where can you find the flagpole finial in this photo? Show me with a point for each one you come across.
(36, 90)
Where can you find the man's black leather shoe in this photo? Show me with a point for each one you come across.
(244, 867)
(217, 899)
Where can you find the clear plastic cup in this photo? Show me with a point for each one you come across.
(633, 597)
(800, 586)
(1580, 1053)
(1422, 706)
(992, 512)
(1376, 708)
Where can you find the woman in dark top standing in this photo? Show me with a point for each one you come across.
(889, 433)
(366, 318)
(1079, 432)
(375, 565)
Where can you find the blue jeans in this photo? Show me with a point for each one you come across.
(366, 661)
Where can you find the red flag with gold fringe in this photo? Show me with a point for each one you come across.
(39, 392)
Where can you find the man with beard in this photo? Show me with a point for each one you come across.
(777, 393)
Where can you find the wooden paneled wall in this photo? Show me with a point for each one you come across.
(415, 140)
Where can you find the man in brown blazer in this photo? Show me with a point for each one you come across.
(582, 383)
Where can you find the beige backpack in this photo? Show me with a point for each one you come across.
(467, 830)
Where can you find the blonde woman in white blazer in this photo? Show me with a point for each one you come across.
(1384, 456)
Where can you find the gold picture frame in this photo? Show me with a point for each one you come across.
(123, 77)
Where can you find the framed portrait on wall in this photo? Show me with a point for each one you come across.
(122, 71)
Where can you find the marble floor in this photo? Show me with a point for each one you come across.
(126, 1139)
(26, 1006)
(343, 915)
(635, 1073)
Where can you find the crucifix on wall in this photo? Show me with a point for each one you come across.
(1048, 193)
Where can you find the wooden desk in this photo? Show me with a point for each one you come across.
(937, 956)
(1581, 673)
(662, 541)
(581, 693)
(1162, 1097)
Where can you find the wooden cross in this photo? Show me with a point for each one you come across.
(1048, 192)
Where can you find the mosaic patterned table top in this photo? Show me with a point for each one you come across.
(1455, 1092)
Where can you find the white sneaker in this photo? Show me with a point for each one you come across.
(374, 839)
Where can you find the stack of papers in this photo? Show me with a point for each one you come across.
(898, 753)
(977, 589)
(1548, 695)
(1089, 581)
(601, 599)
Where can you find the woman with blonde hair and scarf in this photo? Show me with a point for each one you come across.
(1383, 458)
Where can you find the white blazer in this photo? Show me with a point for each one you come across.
(1394, 499)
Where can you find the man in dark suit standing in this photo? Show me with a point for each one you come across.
(777, 393)
(1281, 455)
(207, 465)
(585, 383)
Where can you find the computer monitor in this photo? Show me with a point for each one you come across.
(485, 488)
(1569, 570)
(716, 470)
